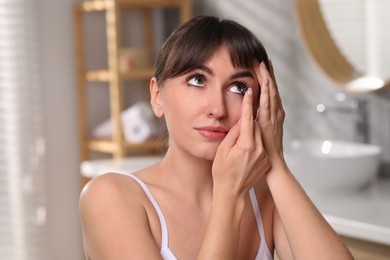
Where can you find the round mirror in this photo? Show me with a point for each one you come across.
(349, 40)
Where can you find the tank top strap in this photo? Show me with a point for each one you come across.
(263, 252)
(163, 223)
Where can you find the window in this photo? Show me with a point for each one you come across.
(22, 193)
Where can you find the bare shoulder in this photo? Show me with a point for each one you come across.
(114, 218)
(109, 187)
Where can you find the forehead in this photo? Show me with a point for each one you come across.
(220, 55)
(221, 60)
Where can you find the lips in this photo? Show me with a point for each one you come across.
(214, 133)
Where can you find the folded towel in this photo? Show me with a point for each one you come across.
(139, 131)
(139, 124)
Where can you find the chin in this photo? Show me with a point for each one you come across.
(199, 150)
(210, 157)
(207, 153)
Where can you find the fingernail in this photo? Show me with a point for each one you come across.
(249, 91)
(262, 64)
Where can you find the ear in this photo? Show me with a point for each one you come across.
(156, 98)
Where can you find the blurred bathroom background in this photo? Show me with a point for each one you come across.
(39, 141)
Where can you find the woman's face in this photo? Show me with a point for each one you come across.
(201, 106)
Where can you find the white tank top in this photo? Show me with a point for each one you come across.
(166, 252)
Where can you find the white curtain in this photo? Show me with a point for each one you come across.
(22, 148)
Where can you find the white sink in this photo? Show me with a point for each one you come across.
(332, 165)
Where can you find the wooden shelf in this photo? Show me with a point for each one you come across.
(138, 74)
(112, 75)
(98, 75)
(104, 75)
(108, 146)
(104, 146)
(91, 6)
(102, 5)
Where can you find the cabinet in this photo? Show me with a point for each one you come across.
(366, 250)
(363, 250)
(113, 76)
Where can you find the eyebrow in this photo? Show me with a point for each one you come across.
(206, 69)
(239, 74)
(242, 74)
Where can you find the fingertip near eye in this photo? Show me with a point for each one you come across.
(249, 91)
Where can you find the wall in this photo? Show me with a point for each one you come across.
(61, 115)
(61, 132)
(302, 84)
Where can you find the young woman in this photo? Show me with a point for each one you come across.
(223, 189)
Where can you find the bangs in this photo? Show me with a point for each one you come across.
(244, 48)
(191, 45)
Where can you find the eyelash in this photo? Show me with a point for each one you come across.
(243, 84)
(195, 76)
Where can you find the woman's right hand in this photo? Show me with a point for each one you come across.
(239, 163)
(241, 159)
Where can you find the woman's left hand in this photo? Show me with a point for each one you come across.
(270, 113)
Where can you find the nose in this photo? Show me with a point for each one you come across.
(216, 105)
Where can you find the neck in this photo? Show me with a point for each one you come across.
(188, 175)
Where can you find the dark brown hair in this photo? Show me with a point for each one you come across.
(192, 43)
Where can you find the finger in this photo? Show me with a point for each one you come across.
(273, 94)
(246, 121)
(272, 73)
(271, 111)
(278, 98)
(258, 137)
(230, 139)
(266, 76)
(264, 95)
(264, 103)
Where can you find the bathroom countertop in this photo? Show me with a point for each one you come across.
(362, 214)
(93, 168)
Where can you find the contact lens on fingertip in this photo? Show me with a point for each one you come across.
(249, 91)
(243, 90)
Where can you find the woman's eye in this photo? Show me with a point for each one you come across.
(197, 81)
(238, 87)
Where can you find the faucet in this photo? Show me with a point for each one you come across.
(359, 109)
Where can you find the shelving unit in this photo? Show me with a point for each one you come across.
(113, 76)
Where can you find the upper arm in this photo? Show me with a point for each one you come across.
(115, 222)
(281, 243)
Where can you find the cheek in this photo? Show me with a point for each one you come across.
(234, 104)
(177, 108)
